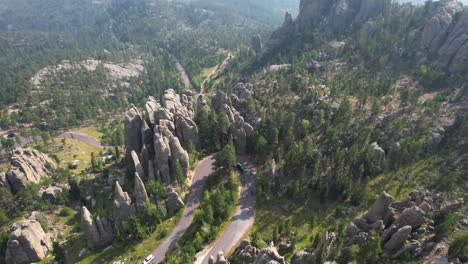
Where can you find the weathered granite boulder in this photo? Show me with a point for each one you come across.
(162, 150)
(133, 125)
(27, 165)
(380, 208)
(178, 156)
(136, 163)
(123, 207)
(174, 203)
(413, 217)
(397, 241)
(27, 243)
(98, 233)
(186, 129)
(141, 197)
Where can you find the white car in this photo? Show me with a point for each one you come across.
(148, 259)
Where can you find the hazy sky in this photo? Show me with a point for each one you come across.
(465, 2)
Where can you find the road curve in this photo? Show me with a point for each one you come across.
(82, 137)
(203, 170)
(240, 223)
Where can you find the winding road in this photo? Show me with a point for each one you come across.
(82, 137)
(240, 223)
(204, 169)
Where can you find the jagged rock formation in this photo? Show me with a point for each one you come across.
(404, 227)
(27, 165)
(240, 129)
(174, 203)
(98, 233)
(27, 243)
(249, 254)
(133, 124)
(156, 143)
(123, 205)
(441, 35)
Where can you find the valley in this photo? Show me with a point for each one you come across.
(232, 131)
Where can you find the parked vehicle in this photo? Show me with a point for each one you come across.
(148, 259)
(240, 167)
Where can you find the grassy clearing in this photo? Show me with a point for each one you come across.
(71, 149)
(92, 131)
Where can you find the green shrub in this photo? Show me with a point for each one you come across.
(43, 221)
(459, 245)
(3, 218)
(66, 211)
(445, 224)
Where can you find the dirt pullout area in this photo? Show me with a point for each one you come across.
(117, 73)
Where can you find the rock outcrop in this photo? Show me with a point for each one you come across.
(133, 125)
(27, 243)
(174, 203)
(98, 233)
(240, 129)
(249, 254)
(441, 34)
(124, 207)
(26, 165)
(404, 227)
(156, 144)
(139, 192)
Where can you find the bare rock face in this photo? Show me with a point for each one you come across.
(432, 32)
(174, 203)
(136, 162)
(162, 152)
(123, 207)
(27, 165)
(178, 156)
(133, 125)
(141, 197)
(187, 130)
(98, 233)
(27, 243)
(397, 241)
(380, 208)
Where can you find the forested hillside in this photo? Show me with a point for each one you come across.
(234, 131)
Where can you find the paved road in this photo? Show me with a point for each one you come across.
(183, 74)
(82, 137)
(204, 169)
(241, 222)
